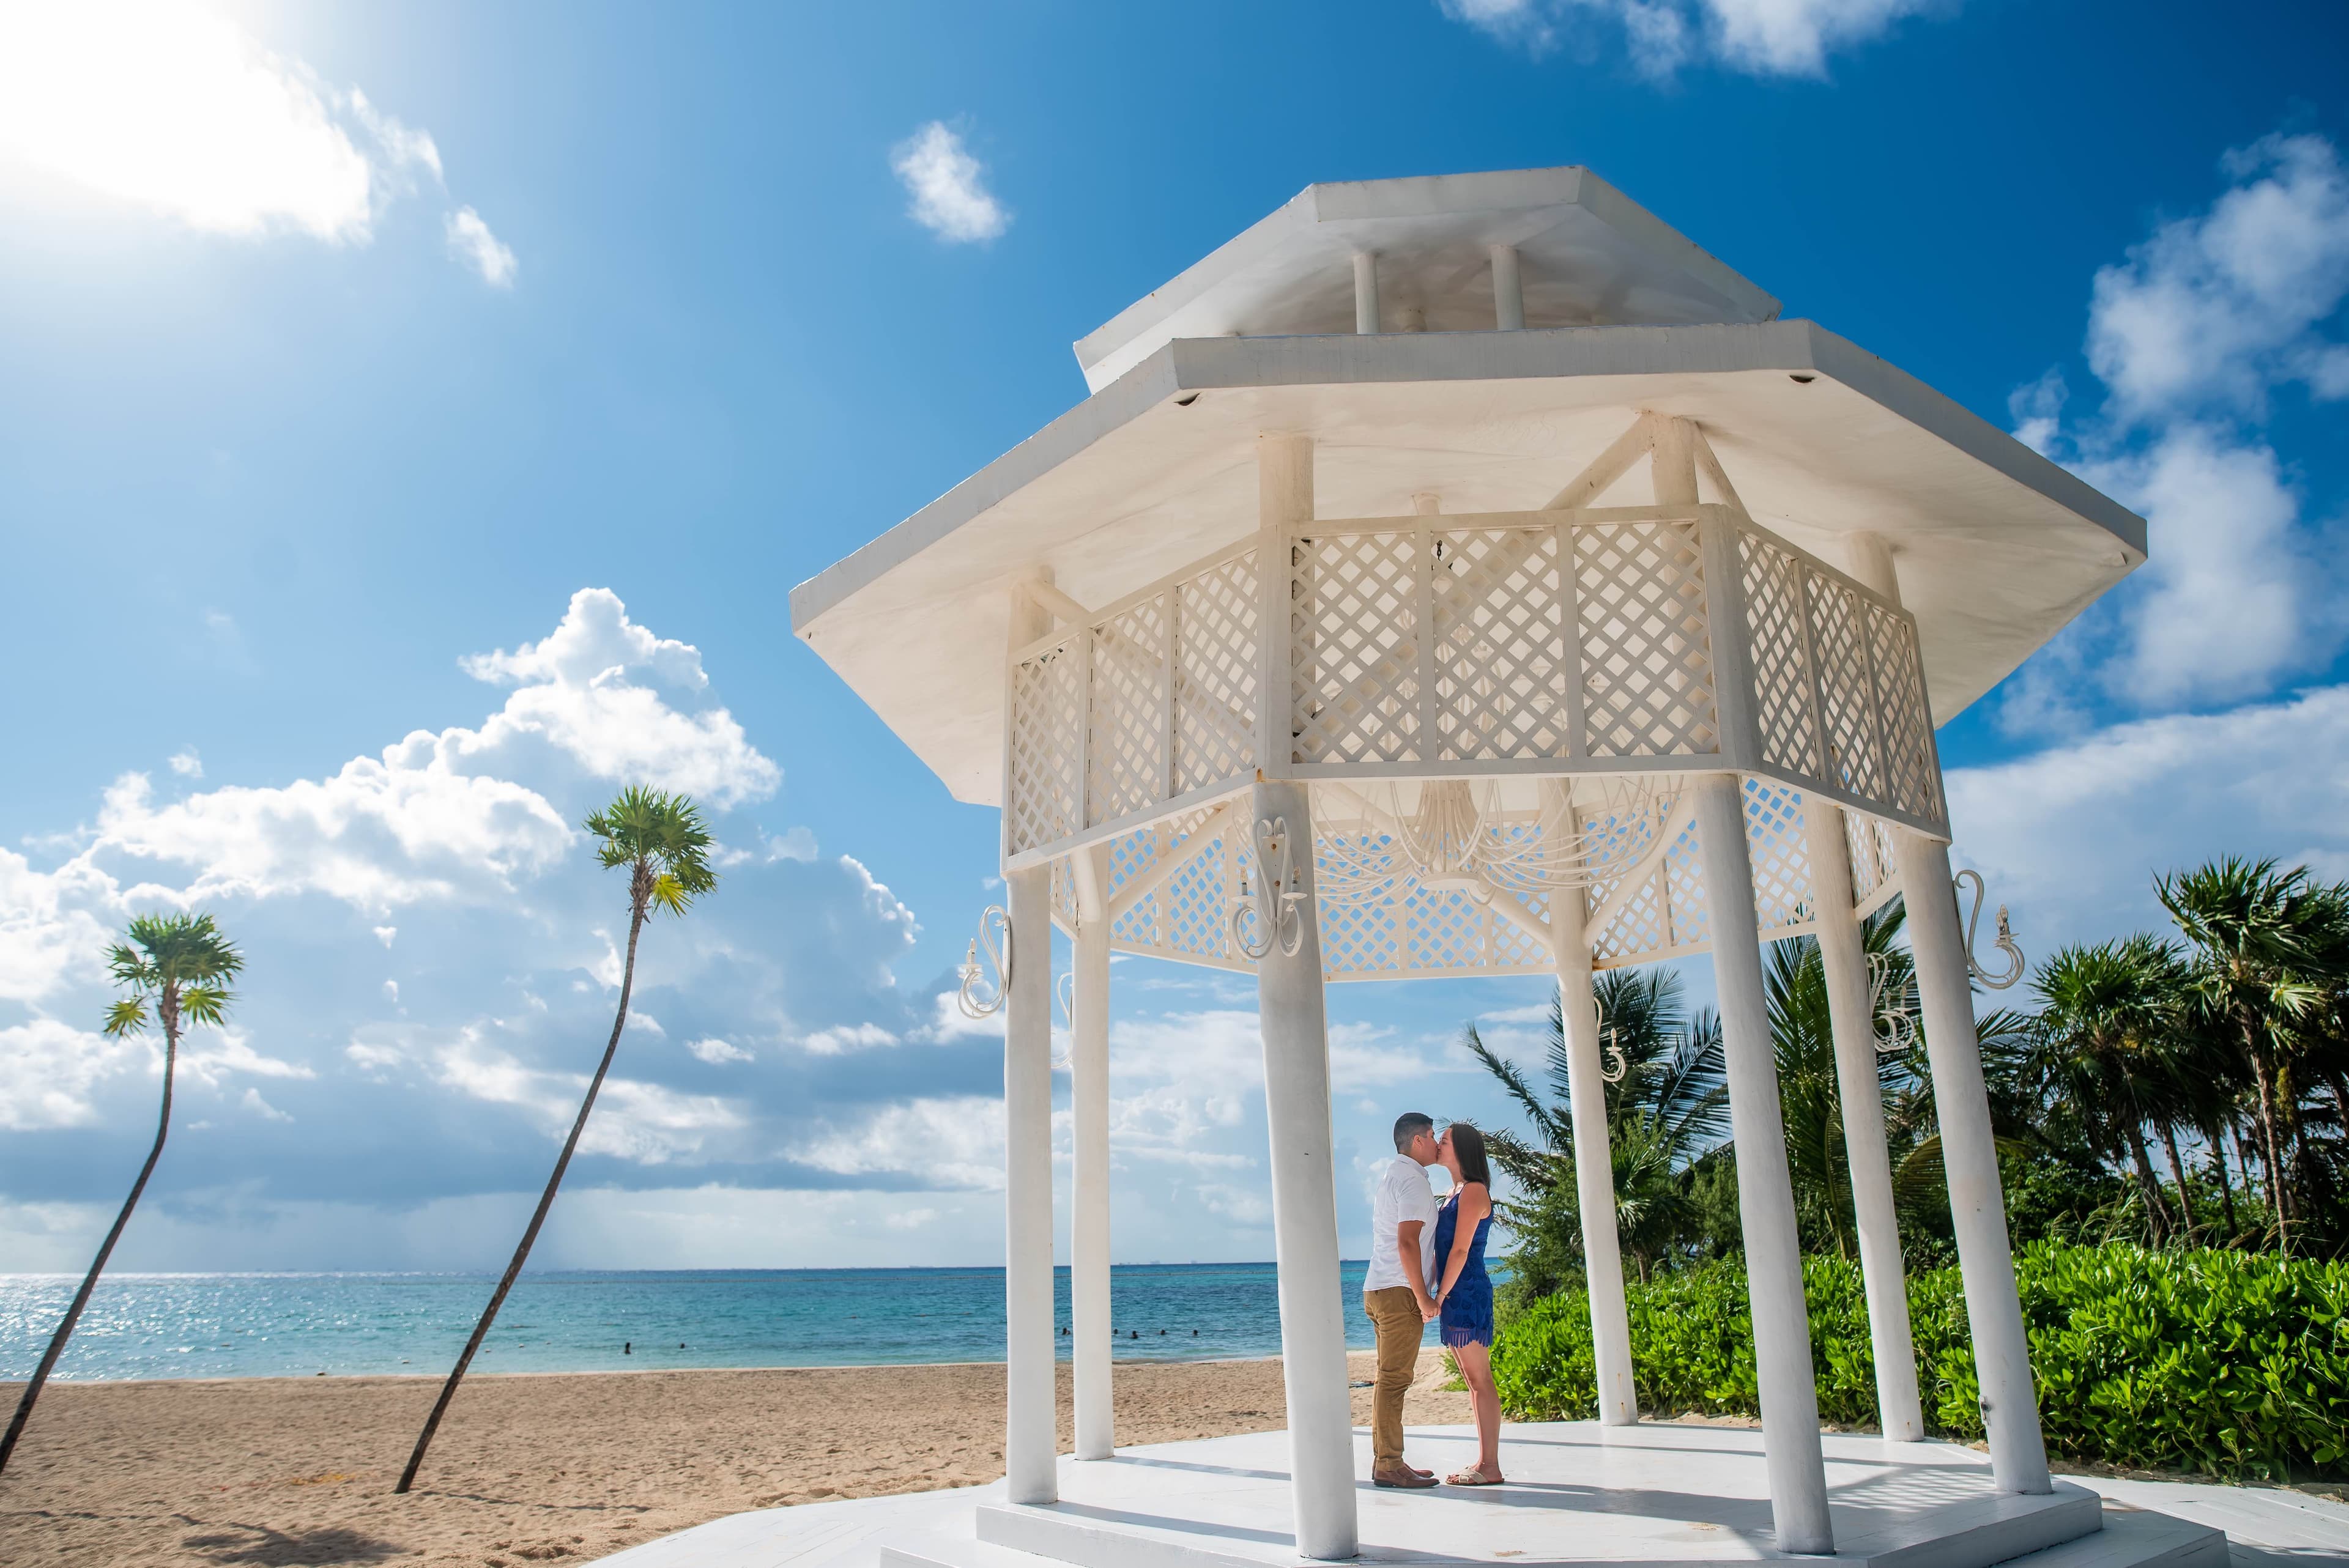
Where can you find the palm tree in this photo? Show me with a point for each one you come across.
(182, 965)
(2101, 1049)
(1666, 1113)
(2268, 950)
(660, 840)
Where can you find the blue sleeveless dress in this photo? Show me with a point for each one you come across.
(1467, 1316)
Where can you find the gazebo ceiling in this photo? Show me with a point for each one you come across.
(1996, 548)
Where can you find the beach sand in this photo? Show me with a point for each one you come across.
(542, 1468)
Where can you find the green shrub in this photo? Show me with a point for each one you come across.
(2233, 1363)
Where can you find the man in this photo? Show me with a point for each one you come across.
(1395, 1293)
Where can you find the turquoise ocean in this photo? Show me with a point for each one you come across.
(300, 1325)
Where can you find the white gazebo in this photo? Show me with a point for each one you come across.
(1469, 575)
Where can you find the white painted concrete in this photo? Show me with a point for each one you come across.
(1304, 1207)
(1844, 958)
(1579, 1494)
(1089, 1233)
(1765, 1194)
(1594, 1168)
(1366, 292)
(1028, 1439)
(1508, 290)
(1970, 1157)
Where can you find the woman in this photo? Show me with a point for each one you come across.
(1464, 1300)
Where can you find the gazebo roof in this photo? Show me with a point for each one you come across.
(1590, 256)
(1996, 547)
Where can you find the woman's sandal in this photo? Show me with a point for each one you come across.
(1474, 1477)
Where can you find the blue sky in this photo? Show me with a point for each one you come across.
(412, 419)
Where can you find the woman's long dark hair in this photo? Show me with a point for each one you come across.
(1468, 1145)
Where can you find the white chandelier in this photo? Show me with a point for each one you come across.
(1456, 835)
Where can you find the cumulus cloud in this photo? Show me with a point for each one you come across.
(187, 764)
(49, 1070)
(716, 1052)
(1761, 37)
(2190, 336)
(165, 105)
(948, 187)
(471, 241)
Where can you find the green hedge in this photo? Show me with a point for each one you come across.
(2231, 1363)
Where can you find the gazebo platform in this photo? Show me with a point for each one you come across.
(1649, 1495)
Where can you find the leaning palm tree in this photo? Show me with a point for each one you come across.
(660, 840)
(182, 965)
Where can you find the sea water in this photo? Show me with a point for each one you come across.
(298, 1325)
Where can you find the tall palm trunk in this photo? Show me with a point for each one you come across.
(2212, 1136)
(2279, 1197)
(2156, 1211)
(2177, 1174)
(545, 1199)
(170, 1010)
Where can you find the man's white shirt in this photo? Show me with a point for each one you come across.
(1404, 1195)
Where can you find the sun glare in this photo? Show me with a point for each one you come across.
(170, 106)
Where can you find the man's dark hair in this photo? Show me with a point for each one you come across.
(1410, 1125)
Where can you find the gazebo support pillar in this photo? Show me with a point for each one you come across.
(1594, 1164)
(2010, 1406)
(1029, 1438)
(1842, 958)
(1765, 1194)
(1089, 1300)
(1305, 1196)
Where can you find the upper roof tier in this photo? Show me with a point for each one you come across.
(1589, 256)
(1995, 547)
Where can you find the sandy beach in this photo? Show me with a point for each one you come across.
(556, 1468)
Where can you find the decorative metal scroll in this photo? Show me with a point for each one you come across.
(1065, 992)
(2015, 962)
(1893, 1025)
(1276, 898)
(995, 937)
(1614, 1052)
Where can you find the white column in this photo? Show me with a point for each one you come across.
(1366, 292)
(1030, 1439)
(1766, 1194)
(1089, 1165)
(1508, 290)
(2018, 1457)
(1305, 1198)
(1844, 958)
(1594, 1164)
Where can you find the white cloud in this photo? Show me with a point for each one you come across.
(261, 1108)
(187, 764)
(2215, 309)
(385, 934)
(948, 186)
(228, 1051)
(847, 1037)
(941, 1143)
(391, 990)
(2072, 836)
(54, 925)
(716, 1052)
(1761, 37)
(49, 1069)
(471, 241)
(165, 105)
(2191, 335)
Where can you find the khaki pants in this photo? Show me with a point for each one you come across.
(1395, 1315)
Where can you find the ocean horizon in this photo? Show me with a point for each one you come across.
(366, 1323)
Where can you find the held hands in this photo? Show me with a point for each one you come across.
(1428, 1307)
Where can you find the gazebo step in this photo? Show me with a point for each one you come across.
(934, 1549)
(2137, 1538)
(1976, 1532)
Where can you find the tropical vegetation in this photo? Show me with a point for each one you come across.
(2176, 1103)
(175, 969)
(661, 840)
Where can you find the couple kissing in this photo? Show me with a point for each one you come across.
(1427, 1262)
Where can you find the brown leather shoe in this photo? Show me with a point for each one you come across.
(1394, 1472)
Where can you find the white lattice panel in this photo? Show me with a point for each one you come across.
(1215, 676)
(1043, 799)
(1647, 664)
(1907, 725)
(1501, 670)
(1847, 695)
(1875, 875)
(1777, 641)
(1353, 662)
(1125, 747)
(1782, 864)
